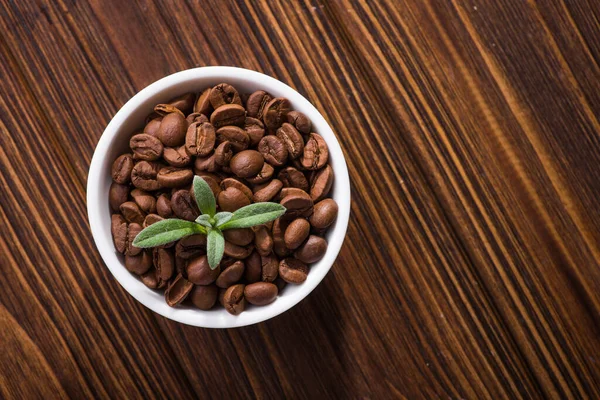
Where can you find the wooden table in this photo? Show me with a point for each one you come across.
(471, 268)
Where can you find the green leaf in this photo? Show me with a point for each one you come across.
(222, 217)
(204, 220)
(254, 214)
(215, 247)
(204, 196)
(166, 231)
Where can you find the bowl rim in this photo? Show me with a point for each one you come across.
(104, 243)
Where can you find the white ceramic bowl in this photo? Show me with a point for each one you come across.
(114, 141)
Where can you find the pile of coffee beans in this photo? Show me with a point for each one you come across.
(248, 149)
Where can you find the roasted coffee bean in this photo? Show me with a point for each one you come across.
(232, 182)
(287, 191)
(212, 182)
(231, 275)
(168, 245)
(172, 130)
(223, 94)
(166, 109)
(163, 284)
(253, 268)
(200, 139)
(132, 212)
(232, 199)
(180, 263)
(300, 121)
(117, 195)
(221, 296)
(312, 250)
(191, 247)
(184, 103)
(223, 153)
(324, 213)
(263, 241)
(143, 175)
(225, 169)
(278, 231)
(177, 156)
(217, 176)
(144, 200)
(280, 283)
(205, 164)
(184, 206)
(121, 169)
(203, 105)
(204, 297)
(119, 229)
(292, 270)
(264, 175)
(255, 130)
(239, 236)
(321, 183)
(315, 154)
(298, 165)
(235, 135)
(227, 262)
(151, 127)
(298, 205)
(270, 266)
(267, 191)
(260, 293)
(296, 232)
(229, 114)
(145, 147)
(164, 263)
(171, 177)
(140, 263)
(237, 252)
(196, 117)
(291, 177)
(275, 113)
(132, 231)
(257, 102)
(120, 233)
(199, 273)
(151, 116)
(150, 279)
(244, 97)
(273, 150)
(247, 163)
(163, 206)
(292, 139)
(268, 225)
(151, 219)
(233, 299)
(178, 290)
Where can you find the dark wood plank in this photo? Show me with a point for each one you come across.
(471, 266)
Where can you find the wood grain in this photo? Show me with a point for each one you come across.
(471, 268)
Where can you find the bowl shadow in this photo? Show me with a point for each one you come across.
(307, 345)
